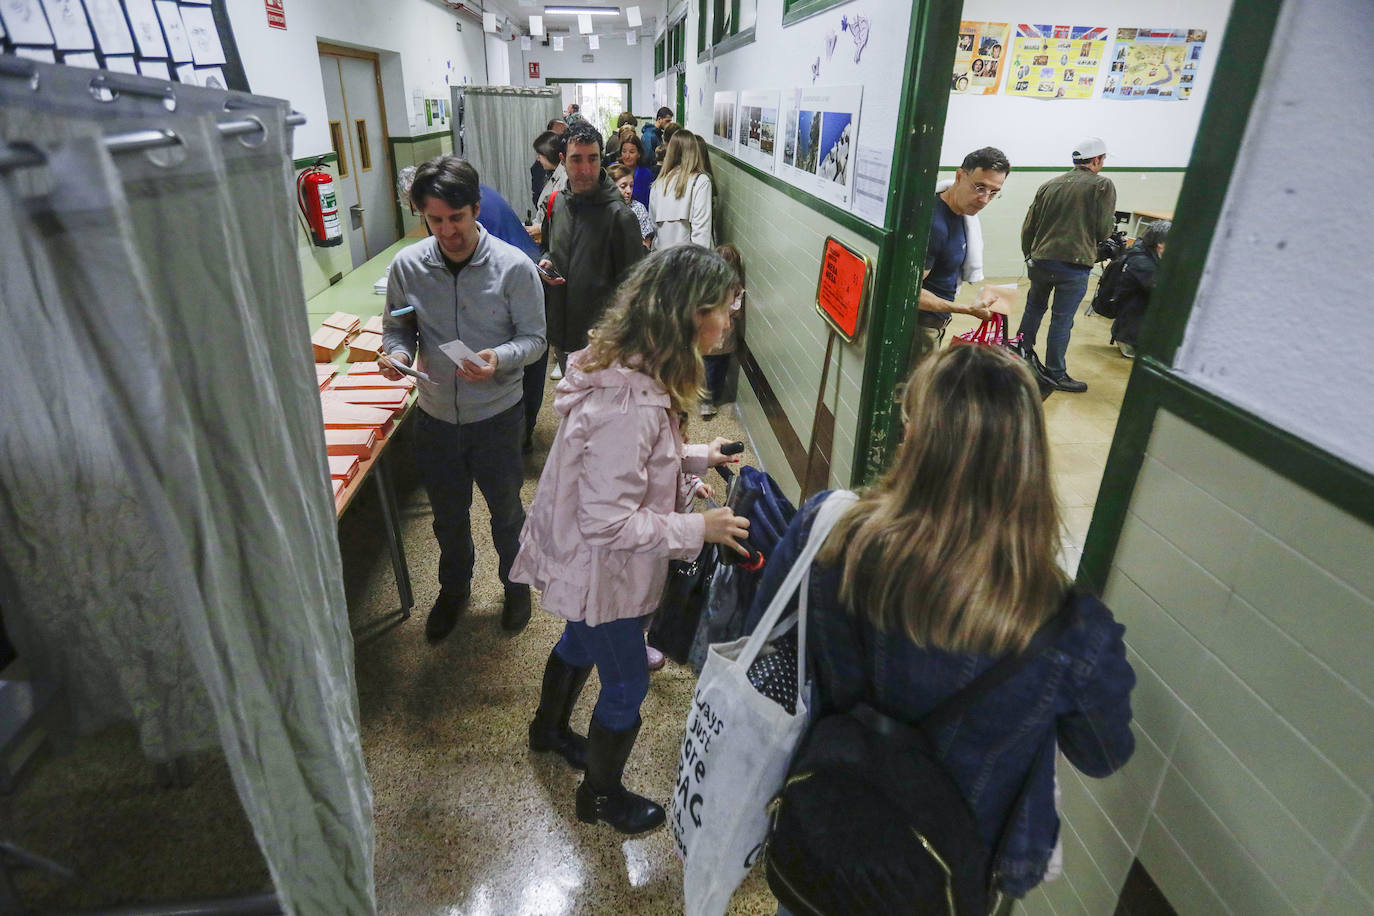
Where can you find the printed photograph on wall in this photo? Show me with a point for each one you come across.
(978, 57)
(821, 130)
(723, 124)
(1056, 61)
(758, 125)
(1154, 64)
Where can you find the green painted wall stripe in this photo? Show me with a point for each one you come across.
(1154, 387)
(859, 227)
(306, 162)
(419, 138)
(1153, 384)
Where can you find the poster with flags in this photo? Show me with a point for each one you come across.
(1155, 65)
(1056, 61)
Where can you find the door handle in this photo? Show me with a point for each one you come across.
(355, 214)
(357, 210)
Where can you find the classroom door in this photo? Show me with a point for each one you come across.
(357, 127)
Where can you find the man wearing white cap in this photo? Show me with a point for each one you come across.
(1070, 215)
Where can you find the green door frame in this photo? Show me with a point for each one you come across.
(911, 196)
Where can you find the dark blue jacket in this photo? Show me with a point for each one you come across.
(1078, 691)
(497, 217)
(644, 179)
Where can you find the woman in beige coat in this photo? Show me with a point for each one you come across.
(607, 515)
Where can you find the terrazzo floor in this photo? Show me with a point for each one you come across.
(467, 820)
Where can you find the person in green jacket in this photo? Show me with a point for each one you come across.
(1070, 215)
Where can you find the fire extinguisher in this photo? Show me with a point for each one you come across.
(319, 206)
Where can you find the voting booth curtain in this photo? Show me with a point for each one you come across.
(494, 129)
(168, 549)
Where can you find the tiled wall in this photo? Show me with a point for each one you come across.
(1249, 608)
(781, 240)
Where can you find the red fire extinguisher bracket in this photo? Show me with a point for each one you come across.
(319, 206)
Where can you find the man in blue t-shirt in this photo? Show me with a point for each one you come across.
(976, 182)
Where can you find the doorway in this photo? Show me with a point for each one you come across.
(600, 100)
(357, 131)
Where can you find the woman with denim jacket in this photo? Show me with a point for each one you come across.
(944, 567)
(610, 511)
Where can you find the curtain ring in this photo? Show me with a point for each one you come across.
(252, 139)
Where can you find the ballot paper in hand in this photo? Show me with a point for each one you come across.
(459, 352)
(413, 373)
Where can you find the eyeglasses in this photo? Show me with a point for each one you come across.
(983, 190)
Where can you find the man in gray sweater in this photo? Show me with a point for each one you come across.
(463, 284)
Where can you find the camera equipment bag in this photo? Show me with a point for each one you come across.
(870, 821)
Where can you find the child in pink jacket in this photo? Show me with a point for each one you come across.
(607, 516)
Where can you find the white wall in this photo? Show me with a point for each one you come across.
(1038, 132)
(432, 54)
(615, 60)
(781, 58)
(1280, 322)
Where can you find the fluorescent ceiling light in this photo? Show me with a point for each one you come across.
(581, 11)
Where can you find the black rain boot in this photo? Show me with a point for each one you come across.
(602, 797)
(549, 731)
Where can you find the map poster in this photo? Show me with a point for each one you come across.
(819, 127)
(758, 128)
(1056, 61)
(1157, 65)
(978, 57)
(723, 121)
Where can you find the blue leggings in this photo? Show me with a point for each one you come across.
(617, 649)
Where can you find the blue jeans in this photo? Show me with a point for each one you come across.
(1068, 282)
(451, 457)
(617, 649)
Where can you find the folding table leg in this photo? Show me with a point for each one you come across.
(382, 474)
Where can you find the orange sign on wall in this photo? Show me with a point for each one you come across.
(534, 69)
(843, 288)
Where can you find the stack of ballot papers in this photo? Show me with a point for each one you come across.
(343, 468)
(357, 442)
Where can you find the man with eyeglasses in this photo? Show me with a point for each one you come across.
(955, 250)
(1070, 215)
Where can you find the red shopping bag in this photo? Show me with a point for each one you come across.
(991, 333)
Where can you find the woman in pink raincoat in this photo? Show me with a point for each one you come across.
(608, 514)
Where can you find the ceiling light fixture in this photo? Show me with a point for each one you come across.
(581, 11)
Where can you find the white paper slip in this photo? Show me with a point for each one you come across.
(458, 351)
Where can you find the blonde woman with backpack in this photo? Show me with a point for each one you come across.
(680, 200)
(943, 571)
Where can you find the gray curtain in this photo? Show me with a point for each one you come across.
(495, 132)
(168, 550)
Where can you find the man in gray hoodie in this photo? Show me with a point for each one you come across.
(463, 284)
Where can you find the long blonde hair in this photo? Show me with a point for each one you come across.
(956, 545)
(652, 326)
(681, 164)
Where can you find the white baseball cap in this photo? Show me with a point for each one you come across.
(1089, 148)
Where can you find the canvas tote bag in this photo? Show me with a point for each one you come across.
(738, 744)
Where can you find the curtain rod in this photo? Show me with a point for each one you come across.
(21, 155)
(108, 87)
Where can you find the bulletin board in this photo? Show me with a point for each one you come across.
(186, 41)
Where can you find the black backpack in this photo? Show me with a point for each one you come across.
(870, 821)
(1108, 286)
